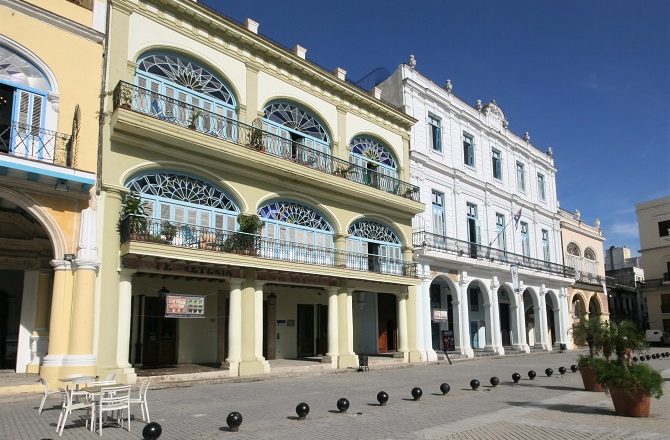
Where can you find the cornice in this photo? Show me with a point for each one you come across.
(54, 20)
(262, 50)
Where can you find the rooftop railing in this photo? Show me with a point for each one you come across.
(36, 143)
(135, 228)
(430, 241)
(177, 112)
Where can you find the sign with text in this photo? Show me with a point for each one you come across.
(184, 306)
(440, 315)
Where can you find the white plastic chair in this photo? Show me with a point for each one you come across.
(46, 394)
(142, 400)
(113, 399)
(70, 405)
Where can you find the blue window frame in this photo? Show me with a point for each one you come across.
(525, 244)
(496, 164)
(468, 150)
(435, 132)
(374, 155)
(297, 125)
(438, 213)
(378, 246)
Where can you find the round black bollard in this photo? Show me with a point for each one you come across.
(532, 374)
(574, 368)
(234, 420)
(648, 356)
(342, 405)
(634, 358)
(516, 377)
(494, 381)
(548, 372)
(562, 370)
(302, 410)
(445, 388)
(382, 398)
(417, 393)
(641, 358)
(474, 384)
(152, 431)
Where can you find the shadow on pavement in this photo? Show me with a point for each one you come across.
(567, 408)
(549, 387)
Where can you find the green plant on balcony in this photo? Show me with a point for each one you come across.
(196, 113)
(343, 171)
(134, 213)
(168, 230)
(246, 240)
(256, 136)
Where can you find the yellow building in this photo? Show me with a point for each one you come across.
(50, 82)
(210, 122)
(583, 251)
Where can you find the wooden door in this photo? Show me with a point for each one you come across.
(387, 324)
(504, 324)
(160, 335)
(305, 329)
(322, 329)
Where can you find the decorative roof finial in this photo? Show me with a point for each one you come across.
(479, 106)
(596, 223)
(526, 137)
(550, 152)
(412, 62)
(448, 86)
(578, 215)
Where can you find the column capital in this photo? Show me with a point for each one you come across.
(61, 265)
(235, 283)
(258, 285)
(126, 274)
(86, 265)
(331, 290)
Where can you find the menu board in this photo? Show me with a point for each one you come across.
(184, 306)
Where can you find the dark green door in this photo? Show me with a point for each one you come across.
(305, 330)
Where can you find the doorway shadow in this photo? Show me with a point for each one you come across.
(567, 408)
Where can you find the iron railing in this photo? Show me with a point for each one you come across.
(427, 240)
(36, 143)
(589, 278)
(136, 228)
(651, 283)
(177, 112)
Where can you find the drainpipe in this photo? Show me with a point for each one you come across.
(103, 97)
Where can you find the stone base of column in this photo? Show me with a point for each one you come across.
(253, 368)
(232, 367)
(329, 359)
(347, 361)
(404, 355)
(500, 351)
(123, 375)
(468, 352)
(521, 347)
(417, 356)
(431, 356)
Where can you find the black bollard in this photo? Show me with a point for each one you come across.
(562, 370)
(548, 372)
(302, 410)
(417, 393)
(152, 431)
(445, 388)
(648, 356)
(382, 398)
(516, 377)
(532, 374)
(474, 384)
(634, 358)
(494, 381)
(234, 420)
(342, 405)
(574, 368)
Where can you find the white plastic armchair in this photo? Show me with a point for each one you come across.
(114, 400)
(69, 405)
(142, 400)
(45, 384)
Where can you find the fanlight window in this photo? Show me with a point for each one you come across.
(372, 154)
(187, 74)
(573, 249)
(373, 231)
(295, 214)
(589, 254)
(20, 72)
(377, 248)
(298, 127)
(295, 118)
(185, 199)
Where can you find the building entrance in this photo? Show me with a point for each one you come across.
(305, 330)
(160, 335)
(387, 325)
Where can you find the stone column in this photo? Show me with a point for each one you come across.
(466, 348)
(495, 304)
(340, 242)
(59, 325)
(426, 315)
(401, 306)
(345, 332)
(543, 330)
(221, 323)
(39, 340)
(234, 327)
(456, 317)
(252, 360)
(124, 371)
(521, 317)
(413, 327)
(333, 339)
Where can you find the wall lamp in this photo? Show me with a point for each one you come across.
(272, 299)
(69, 257)
(62, 186)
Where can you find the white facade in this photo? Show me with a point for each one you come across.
(475, 175)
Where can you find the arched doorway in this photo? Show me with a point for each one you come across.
(594, 307)
(553, 318)
(578, 315)
(531, 318)
(479, 314)
(508, 318)
(25, 277)
(445, 316)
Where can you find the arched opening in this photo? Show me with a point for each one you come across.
(375, 157)
(508, 317)
(532, 318)
(445, 316)
(376, 248)
(26, 278)
(479, 314)
(578, 314)
(594, 307)
(303, 130)
(553, 317)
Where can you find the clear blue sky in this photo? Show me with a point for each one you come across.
(591, 78)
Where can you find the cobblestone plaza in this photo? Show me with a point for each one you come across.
(545, 408)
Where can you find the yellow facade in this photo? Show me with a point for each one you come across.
(288, 298)
(48, 160)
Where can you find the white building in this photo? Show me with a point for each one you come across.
(475, 176)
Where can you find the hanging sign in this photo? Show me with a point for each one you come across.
(514, 269)
(184, 306)
(440, 315)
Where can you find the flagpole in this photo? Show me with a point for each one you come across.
(504, 227)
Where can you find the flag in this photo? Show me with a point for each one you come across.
(517, 217)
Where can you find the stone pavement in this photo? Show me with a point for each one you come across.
(545, 408)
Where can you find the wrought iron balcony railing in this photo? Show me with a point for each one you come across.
(220, 240)
(177, 112)
(36, 143)
(589, 278)
(427, 240)
(651, 283)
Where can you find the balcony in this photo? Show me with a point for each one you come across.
(172, 111)
(589, 278)
(134, 228)
(35, 143)
(429, 241)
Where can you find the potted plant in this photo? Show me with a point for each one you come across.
(593, 332)
(168, 230)
(256, 139)
(132, 216)
(245, 240)
(631, 386)
(193, 120)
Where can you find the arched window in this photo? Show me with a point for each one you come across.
(167, 80)
(23, 96)
(589, 254)
(372, 154)
(573, 249)
(379, 247)
(297, 125)
(185, 199)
